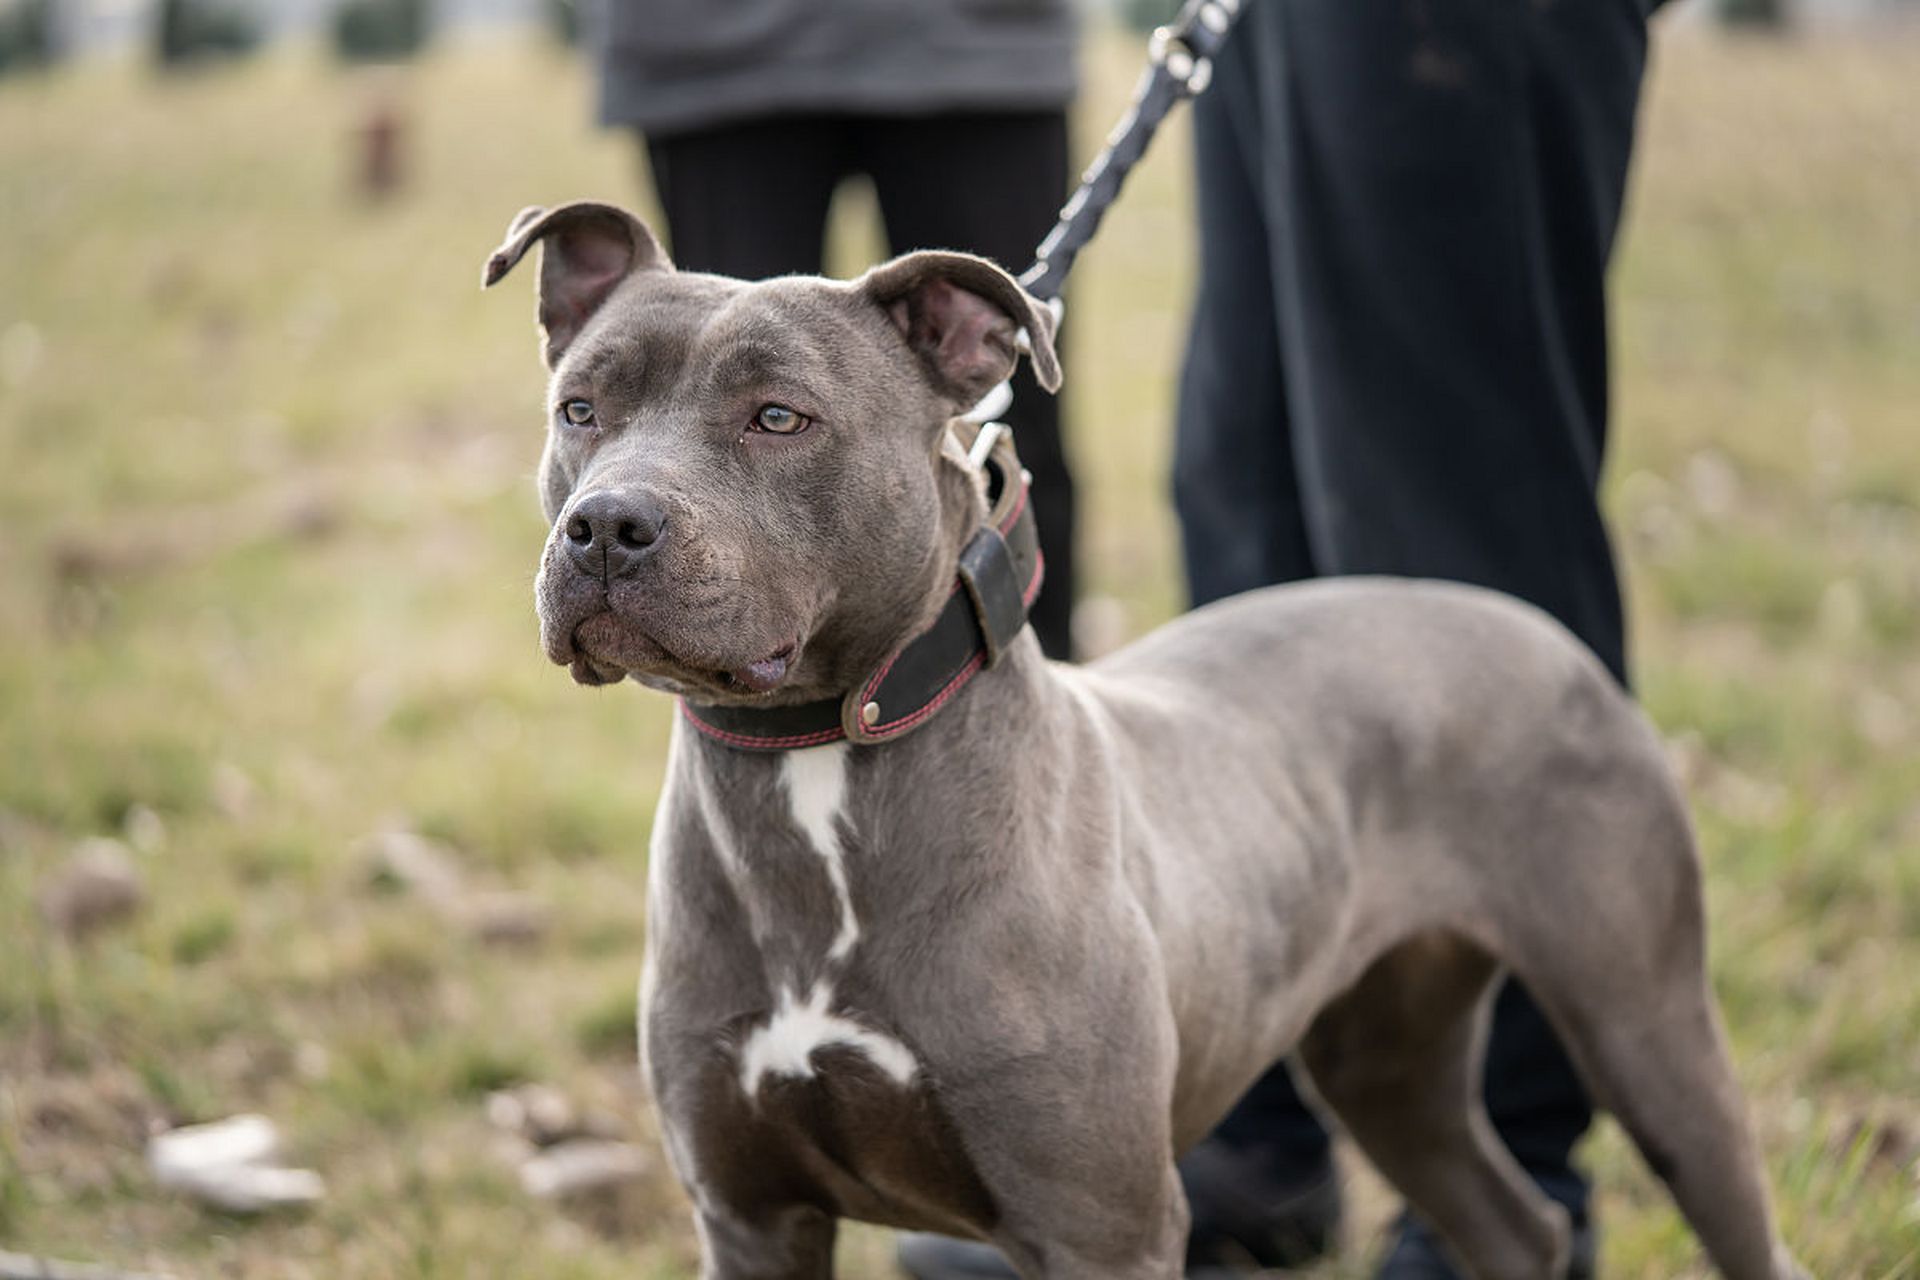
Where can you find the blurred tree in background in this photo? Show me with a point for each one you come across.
(1768, 14)
(563, 20)
(380, 30)
(1145, 15)
(26, 34)
(189, 31)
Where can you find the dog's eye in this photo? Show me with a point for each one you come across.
(578, 412)
(780, 420)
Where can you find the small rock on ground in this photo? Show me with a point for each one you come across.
(97, 886)
(544, 1116)
(232, 791)
(539, 1113)
(145, 830)
(583, 1166)
(505, 917)
(432, 872)
(419, 865)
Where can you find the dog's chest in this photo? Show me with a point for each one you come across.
(785, 840)
(781, 1066)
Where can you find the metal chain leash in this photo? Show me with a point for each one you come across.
(1180, 65)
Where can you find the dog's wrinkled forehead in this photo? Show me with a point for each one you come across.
(686, 335)
(612, 304)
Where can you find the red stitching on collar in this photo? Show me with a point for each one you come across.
(817, 738)
(880, 676)
(1019, 505)
(1033, 583)
(953, 686)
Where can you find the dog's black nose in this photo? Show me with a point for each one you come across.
(610, 532)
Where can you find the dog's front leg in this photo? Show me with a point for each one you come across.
(1093, 1251)
(1068, 1231)
(1075, 1143)
(791, 1244)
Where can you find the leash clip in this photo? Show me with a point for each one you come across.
(992, 404)
(1170, 49)
(990, 435)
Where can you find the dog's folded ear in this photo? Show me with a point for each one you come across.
(962, 316)
(588, 249)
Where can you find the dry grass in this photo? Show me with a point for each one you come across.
(269, 538)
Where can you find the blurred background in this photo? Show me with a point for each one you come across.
(295, 820)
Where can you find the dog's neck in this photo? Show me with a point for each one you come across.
(820, 866)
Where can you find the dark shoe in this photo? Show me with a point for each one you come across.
(1245, 1219)
(927, 1257)
(1416, 1254)
(1249, 1217)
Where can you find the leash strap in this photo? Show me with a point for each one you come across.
(1000, 567)
(1180, 66)
(998, 577)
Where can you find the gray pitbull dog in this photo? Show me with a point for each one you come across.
(991, 976)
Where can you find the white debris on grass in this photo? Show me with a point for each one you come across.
(231, 1165)
(33, 1266)
(582, 1166)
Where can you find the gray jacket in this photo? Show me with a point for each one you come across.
(669, 66)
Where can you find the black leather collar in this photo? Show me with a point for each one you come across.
(998, 577)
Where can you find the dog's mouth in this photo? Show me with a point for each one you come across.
(765, 674)
(606, 648)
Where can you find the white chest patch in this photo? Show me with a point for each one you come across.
(816, 781)
(816, 784)
(786, 1045)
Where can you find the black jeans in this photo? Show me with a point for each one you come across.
(1398, 359)
(751, 199)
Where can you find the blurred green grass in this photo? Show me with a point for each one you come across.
(269, 535)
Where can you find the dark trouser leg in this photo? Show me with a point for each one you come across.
(750, 199)
(1234, 482)
(1235, 486)
(1444, 182)
(992, 183)
(1439, 186)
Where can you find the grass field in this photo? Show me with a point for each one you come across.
(267, 537)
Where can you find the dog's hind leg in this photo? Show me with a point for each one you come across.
(1664, 1073)
(1398, 1058)
(1629, 995)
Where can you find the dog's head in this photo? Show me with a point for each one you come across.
(753, 491)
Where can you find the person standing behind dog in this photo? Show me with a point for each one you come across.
(753, 113)
(1398, 364)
